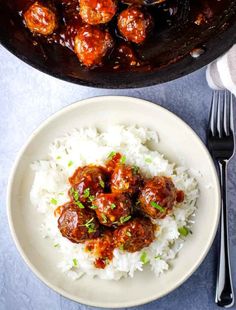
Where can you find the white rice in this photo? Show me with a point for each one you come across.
(86, 146)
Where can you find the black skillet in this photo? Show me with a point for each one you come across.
(168, 53)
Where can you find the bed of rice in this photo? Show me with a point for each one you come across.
(86, 146)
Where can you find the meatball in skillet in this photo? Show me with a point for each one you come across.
(40, 19)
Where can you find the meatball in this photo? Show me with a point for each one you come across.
(158, 197)
(87, 182)
(134, 24)
(126, 179)
(77, 224)
(92, 44)
(96, 12)
(113, 209)
(40, 19)
(135, 235)
(101, 247)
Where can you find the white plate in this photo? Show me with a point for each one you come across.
(177, 141)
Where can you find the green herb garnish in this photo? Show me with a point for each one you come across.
(76, 196)
(121, 247)
(104, 218)
(58, 157)
(56, 245)
(79, 204)
(157, 257)
(157, 206)
(183, 231)
(90, 225)
(111, 155)
(75, 262)
(135, 169)
(113, 206)
(148, 160)
(91, 198)
(101, 182)
(144, 258)
(128, 233)
(70, 163)
(124, 219)
(123, 160)
(93, 207)
(86, 193)
(53, 201)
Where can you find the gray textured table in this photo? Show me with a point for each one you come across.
(27, 98)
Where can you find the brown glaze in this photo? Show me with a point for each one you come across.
(101, 212)
(96, 12)
(87, 182)
(126, 179)
(157, 197)
(113, 209)
(78, 224)
(134, 24)
(135, 234)
(180, 26)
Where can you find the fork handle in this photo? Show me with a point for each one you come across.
(224, 287)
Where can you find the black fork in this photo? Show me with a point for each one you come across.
(221, 146)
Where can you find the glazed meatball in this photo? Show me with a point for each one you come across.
(126, 179)
(87, 182)
(101, 247)
(40, 19)
(158, 197)
(113, 209)
(135, 234)
(92, 44)
(134, 24)
(77, 224)
(96, 12)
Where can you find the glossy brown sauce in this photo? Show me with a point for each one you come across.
(112, 206)
(170, 16)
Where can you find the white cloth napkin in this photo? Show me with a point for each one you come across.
(221, 73)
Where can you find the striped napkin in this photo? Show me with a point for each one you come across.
(221, 73)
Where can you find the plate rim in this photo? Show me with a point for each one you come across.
(13, 171)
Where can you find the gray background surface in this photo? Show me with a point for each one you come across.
(27, 97)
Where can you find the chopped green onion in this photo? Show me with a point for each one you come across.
(111, 155)
(90, 226)
(123, 160)
(58, 157)
(183, 231)
(121, 247)
(135, 169)
(124, 219)
(113, 206)
(157, 206)
(56, 245)
(148, 160)
(157, 257)
(75, 262)
(70, 163)
(144, 258)
(79, 204)
(76, 196)
(104, 218)
(128, 233)
(101, 182)
(86, 193)
(93, 207)
(61, 194)
(53, 201)
(91, 198)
